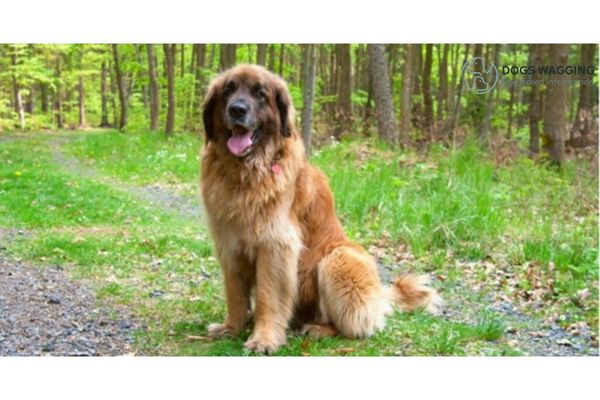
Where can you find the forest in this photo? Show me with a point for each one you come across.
(476, 164)
(409, 95)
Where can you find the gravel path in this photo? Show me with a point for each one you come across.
(43, 312)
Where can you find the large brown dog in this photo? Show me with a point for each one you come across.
(276, 234)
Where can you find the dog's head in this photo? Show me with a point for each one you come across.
(245, 108)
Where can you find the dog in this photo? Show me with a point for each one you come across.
(284, 256)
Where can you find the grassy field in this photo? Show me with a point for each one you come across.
(522, 234)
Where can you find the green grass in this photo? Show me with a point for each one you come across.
(447, 208)
(142, 159)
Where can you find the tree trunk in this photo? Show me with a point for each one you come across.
(261, 54)
(555, 123)
(227, 56)
(281, 58)
(58, 101)
(582, 125)
(170, 53)
(103, 97)
(511, 101)
(345, 88)
(121, 88)
(484, 132)
(138, 56)
(18, 99)
(44, 97)
(406, 95)
(417, 111)
(427, 100)
(182, 72)
(81, 102)
(458, 97)
(154, 89)
(309, 68)
(443, 74)
(536, 52)
(272, 58)
(386, 121)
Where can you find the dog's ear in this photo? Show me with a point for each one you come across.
(282, 98)
(208, 109)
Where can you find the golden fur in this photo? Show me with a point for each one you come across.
(277, 237)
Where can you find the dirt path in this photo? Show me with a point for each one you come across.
(43, 312)
(186, 206)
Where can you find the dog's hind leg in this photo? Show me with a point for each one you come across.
(350, 294)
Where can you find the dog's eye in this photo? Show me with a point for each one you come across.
(258, 91)
(229, 88)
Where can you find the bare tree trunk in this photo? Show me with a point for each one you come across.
(154, 89)
(309, 68)
(583, 123)
(443, 74)
(228, 57)
(511, 100)
(182, 72)
(170, 53)
(272, 58)
(18, 99)
(345, 89)
(484, 132)
(121, 88)
(81, 102)
(261, 53)
(459, 90)
(138, 56)
(281, 58)
(44, 97)
(386, 121)
(427, 100)
(555, 123)
(103, 97)
(58, 106)
(417, 110)
(406, 95)
(536, 52)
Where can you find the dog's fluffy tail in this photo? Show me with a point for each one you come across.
(412, 292)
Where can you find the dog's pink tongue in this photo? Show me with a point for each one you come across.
(239, 141)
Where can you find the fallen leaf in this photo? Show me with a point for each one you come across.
(538, 334)
(193, 337)
(565, 342)
(345, 350)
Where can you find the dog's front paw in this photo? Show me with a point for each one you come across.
(263, 343)
(218, 331)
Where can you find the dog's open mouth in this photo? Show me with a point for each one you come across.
(241, 140)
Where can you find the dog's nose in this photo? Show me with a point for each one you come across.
(238, 109)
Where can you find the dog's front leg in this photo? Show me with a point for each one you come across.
(276, 292)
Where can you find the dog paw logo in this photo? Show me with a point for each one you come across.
(480, 79)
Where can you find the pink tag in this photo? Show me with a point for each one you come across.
(276, 168)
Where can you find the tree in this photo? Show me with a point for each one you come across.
(228, 56)
(583, 123)
(345, 89)
(261, 53)
(58, 105)
(535, 101)
(555, 108)
(427, 99)
(406, 95)
(103, 96)
(123, 95)
(170, 52)
(154, 89)
(443, 88)
(309, 68)
(386, 121)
